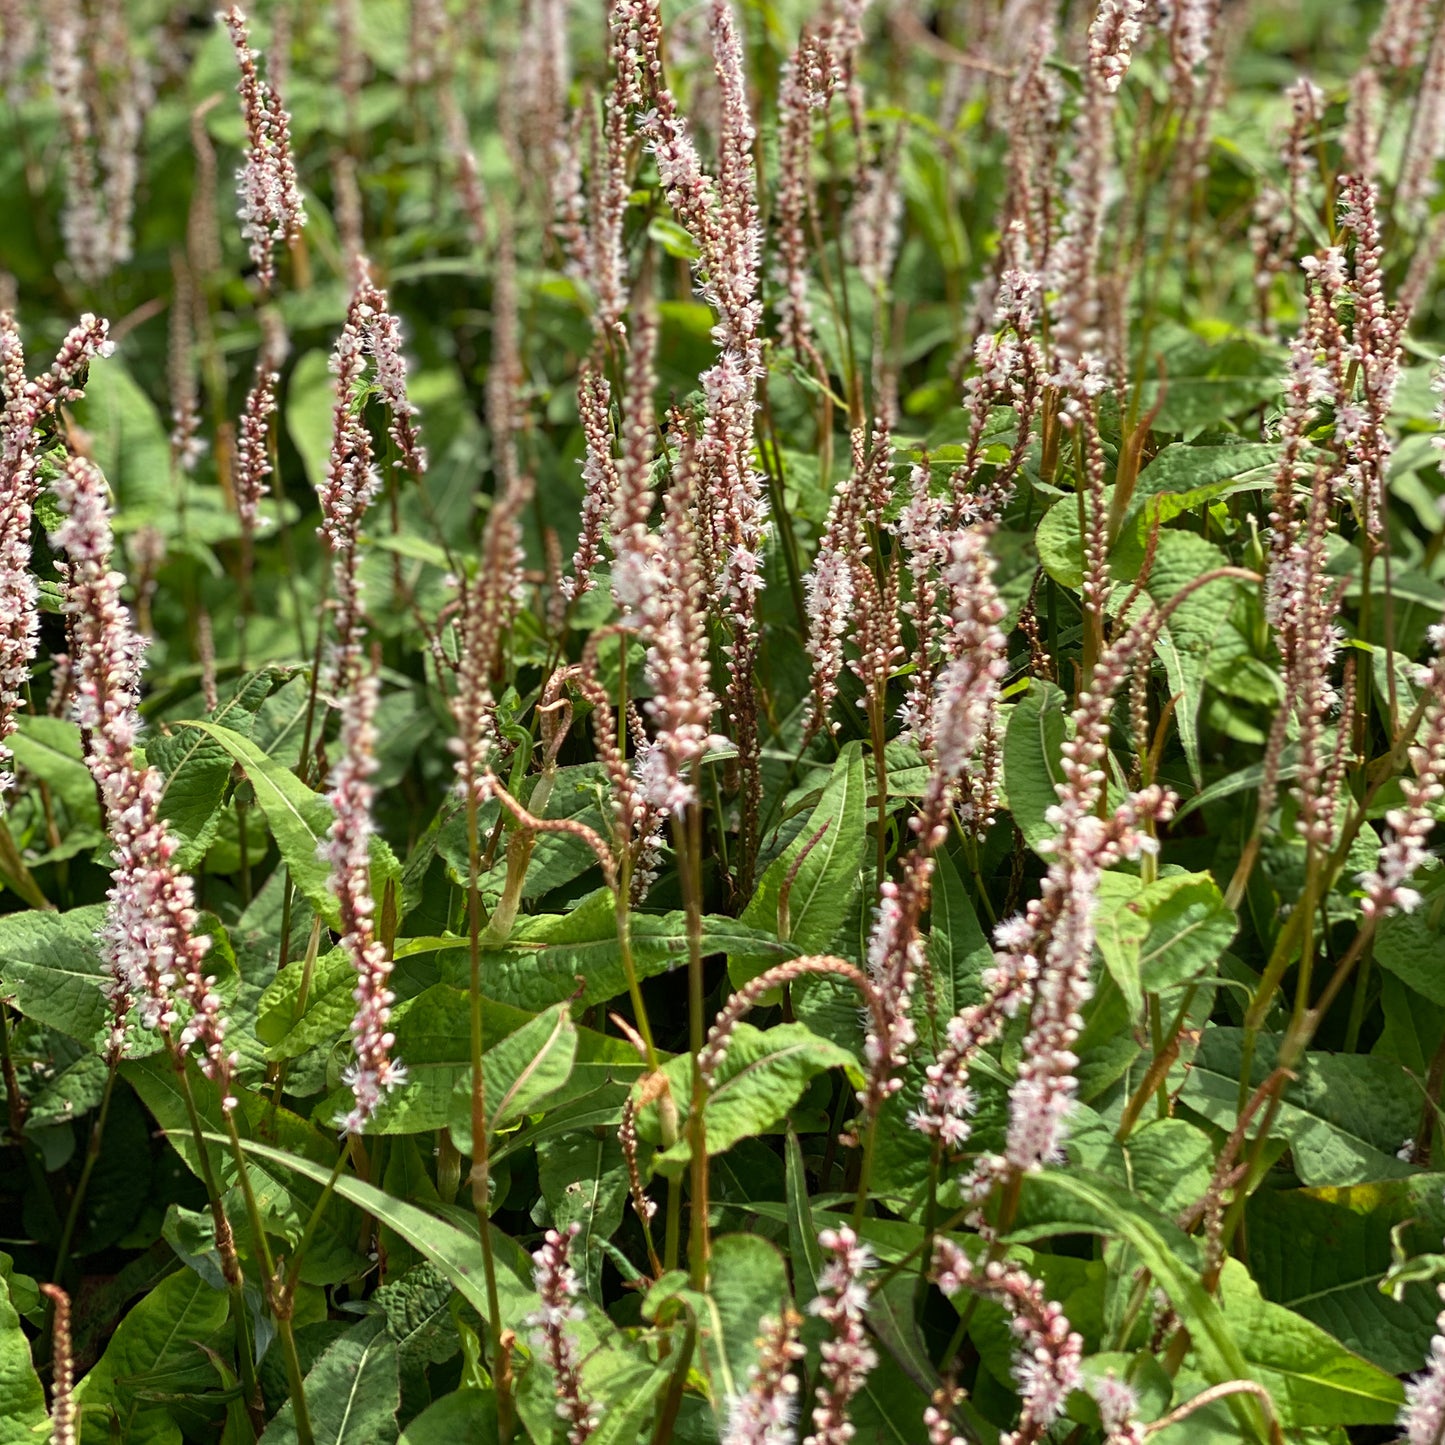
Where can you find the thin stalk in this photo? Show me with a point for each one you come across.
(92, 1153)
(481, 1157)
(688, 829)
(277, 1296)
(225, 1242)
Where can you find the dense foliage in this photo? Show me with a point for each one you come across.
(722, 723)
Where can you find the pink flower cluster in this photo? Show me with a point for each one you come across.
(1047, 1365)
(271, 207)
(556, 1282)
(765, 1413)
(26, 404)
(1404, 851)
(156, 960)
(848, 1358)
(373, 1073)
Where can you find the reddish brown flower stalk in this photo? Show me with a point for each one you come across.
(599, 474)
(271, 208)
(252, 461)
(486, 604)
(64, 1417)
(156, 960)
(807, 84)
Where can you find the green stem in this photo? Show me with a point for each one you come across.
(92, 1153)
(481, 1155)
(277, 1296)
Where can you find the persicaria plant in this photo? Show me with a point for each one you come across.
(722, 723)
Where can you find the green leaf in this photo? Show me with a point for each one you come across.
(524, 1069)
(155, 1347)
(299, 820)
(1325, 1252)
(1032, 758)
(128, 442)
(433, 1040)
(49, 748)
(51, 967)
(958, 948)
(583, 1178)
(1312, 1378)
(22, 1398)
(832, 847)
(574, 956)
(762, 1077)
(1411, 945)
(748, 1285)
(1153, 936)
(310, 395)
(1344, 1115)
(352, 1392)
(469, 1415)
(457, 1253)
(1193, 628)
(1160, 1246)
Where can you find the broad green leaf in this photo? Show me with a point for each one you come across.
(1153, 936)
(1344, 1115)
(524, 1069)
(958, 949)
(464, 1415)
(50, 965)
(1193, 629)
(762, 1077)
(22, 1398)
(1411, 945)
(330, 1005)
(1032, 759)
(310, 395)
(574, 956)
(747, 1286)
(583, 1178)
(433, 1040)
(823, 862)
(1312, 1378)
(154, 1348)
(1413, 1026)
(1161, 1248)
(49, 748)
(1325, 1252)
(128, 442)
(352, 1392)
(454, 1251)
(299, 820)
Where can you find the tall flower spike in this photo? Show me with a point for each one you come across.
(556, 1283)
(155, 958)
(1047, 1365)
(26, 404)
(1404, 852)
(373, 1072)
(848, 1358)
(764, 1415)
(252, 462)
(63, 1414)
(271, 208)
